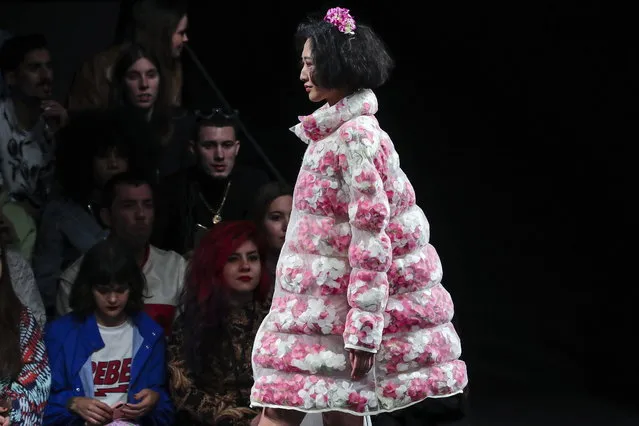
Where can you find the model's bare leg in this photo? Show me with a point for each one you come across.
(337, 418)
(280, 417)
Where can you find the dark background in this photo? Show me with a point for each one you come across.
(514, 122)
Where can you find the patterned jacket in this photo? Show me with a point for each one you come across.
(30, 391)
(356, 272)
(220, 394)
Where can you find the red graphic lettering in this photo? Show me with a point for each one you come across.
(98, 373)
(105, 391)
(112, 372)
(125, 373)
(115, 374)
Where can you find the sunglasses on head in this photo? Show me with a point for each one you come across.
(217, 113)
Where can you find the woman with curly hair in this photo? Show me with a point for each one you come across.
(222, 307)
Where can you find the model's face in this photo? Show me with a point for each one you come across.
(316, 93)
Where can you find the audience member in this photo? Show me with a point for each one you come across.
(70, 223)
(159, 25)
(127, 209)
(107, 356)
(271, 213)
(25, 376)
(29, 119)
(213, 190)
(222, 306)
(18, 229)
(140, 87)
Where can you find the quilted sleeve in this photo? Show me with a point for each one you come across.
(369, 252)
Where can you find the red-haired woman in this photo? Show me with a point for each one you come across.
(222, 307)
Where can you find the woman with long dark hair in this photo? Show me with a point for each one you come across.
(271, 213)
(158, 24)
(24, 367)
(140, 88)
(209, 351)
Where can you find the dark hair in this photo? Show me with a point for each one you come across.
(153, 25)
(108, 262)
(161, 117)
(265, 196)
(127, 178)
(89, 134)
(16, 48)
(205, 304)
(10, 312)
(345, 61)
(215, 117)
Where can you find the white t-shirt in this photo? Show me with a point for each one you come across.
(111, 365)
(26, 157)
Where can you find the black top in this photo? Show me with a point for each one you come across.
(187, 201)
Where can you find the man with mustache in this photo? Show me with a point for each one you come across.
(29, 118)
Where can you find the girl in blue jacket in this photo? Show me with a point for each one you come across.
(107, 356)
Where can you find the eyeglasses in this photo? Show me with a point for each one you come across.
(217, 113)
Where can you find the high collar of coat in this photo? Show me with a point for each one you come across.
(327, 119)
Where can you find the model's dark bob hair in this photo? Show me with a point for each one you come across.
(345, 61)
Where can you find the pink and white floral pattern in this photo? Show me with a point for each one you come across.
(357, 271)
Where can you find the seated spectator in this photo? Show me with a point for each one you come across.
(107, 356)
(213, 190)
(70, 223)
(29, 119)
(271, 213)
(160, 25)
(25, 376)
(222, 308)
(17, 228)
(139, 87)
(127, 210)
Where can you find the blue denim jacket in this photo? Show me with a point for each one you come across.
(67, 230)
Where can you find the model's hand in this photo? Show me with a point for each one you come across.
(256, 420)
(361, 363)
(94, 412)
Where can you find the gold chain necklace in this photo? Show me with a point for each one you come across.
(217, 215)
